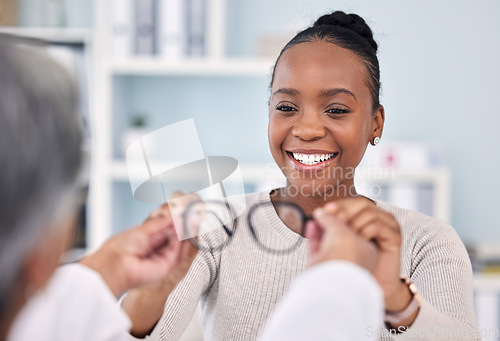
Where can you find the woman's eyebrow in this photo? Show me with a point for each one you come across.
(323, 93)
(333, 92)
(287, 91)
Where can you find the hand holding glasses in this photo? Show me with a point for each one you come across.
(211, 224)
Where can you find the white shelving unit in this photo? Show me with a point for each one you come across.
(105, 171)
(68, 35)
(213, 67)
(438, 178)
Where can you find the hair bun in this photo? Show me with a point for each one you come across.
(351, 22)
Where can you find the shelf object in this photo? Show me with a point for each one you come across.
(60, 35)
(487, 282)
(193, 67)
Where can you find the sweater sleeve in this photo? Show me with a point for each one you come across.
(182, 302)
(441, 270)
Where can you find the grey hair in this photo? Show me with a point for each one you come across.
(40, 153)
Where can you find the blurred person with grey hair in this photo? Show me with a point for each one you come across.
(40, 158)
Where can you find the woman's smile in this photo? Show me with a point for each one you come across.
(305, 160)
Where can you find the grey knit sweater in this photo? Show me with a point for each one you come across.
(239, 286)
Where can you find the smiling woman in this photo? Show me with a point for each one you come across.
(324, 111)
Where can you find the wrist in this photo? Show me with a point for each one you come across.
(399, 298)
(396, 316)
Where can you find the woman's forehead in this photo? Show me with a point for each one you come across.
(316, 55)
(320, 64)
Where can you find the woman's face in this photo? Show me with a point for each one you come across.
(321, 118)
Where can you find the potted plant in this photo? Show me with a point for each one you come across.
(135, 130)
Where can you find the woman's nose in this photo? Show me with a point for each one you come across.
(309, 127)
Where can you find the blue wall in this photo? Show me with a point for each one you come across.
(230, 113)
(42, 13)
(440, 65)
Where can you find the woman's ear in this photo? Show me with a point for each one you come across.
(378, 122)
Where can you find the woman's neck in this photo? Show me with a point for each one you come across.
(308, 202)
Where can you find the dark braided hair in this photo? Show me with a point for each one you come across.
(348, 31)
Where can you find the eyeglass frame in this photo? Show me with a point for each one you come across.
(230, 233)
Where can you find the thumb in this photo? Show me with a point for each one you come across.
(314, 234)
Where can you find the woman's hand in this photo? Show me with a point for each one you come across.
(372, 223)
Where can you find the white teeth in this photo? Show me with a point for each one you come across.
(311, 159)
(298, 157)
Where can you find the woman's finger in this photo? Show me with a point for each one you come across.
(364, 217)
(386, 238)
(347, 209)
(372, 214)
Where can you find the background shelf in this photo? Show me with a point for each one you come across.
(196, 67)
(53, 34)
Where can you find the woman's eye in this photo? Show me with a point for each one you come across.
(337, 111)
(285, 108)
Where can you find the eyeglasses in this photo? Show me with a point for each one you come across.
(211, 224)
